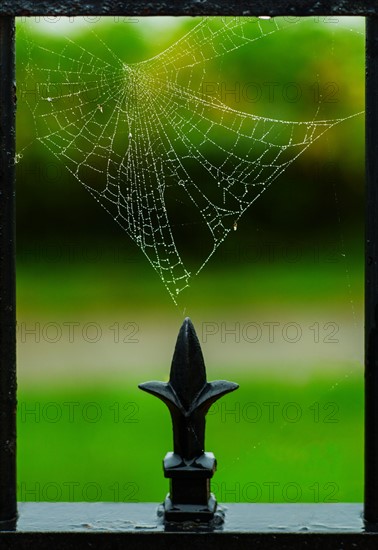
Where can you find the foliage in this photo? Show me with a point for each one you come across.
(310, 70)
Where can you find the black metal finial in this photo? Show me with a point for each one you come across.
(189, 396)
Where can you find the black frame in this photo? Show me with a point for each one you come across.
(189, 7)
(9, 9)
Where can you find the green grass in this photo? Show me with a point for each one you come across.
(107, 443)
(136, 286)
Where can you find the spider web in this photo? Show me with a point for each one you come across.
(145, 136)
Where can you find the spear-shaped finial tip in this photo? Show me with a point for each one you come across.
(188, 373)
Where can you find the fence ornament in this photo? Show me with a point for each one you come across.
(188, 397)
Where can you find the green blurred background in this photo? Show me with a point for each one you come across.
(279, 307)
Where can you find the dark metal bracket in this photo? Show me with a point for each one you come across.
(188, 397)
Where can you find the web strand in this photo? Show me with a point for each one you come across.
(136, 134)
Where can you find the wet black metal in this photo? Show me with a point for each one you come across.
(98, 525)
(8, 505)
(371, 274)
(189, 7)
(189, 396)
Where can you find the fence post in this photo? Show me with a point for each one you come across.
(8, 500)
(371, 274)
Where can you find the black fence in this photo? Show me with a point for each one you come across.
(9, 9)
